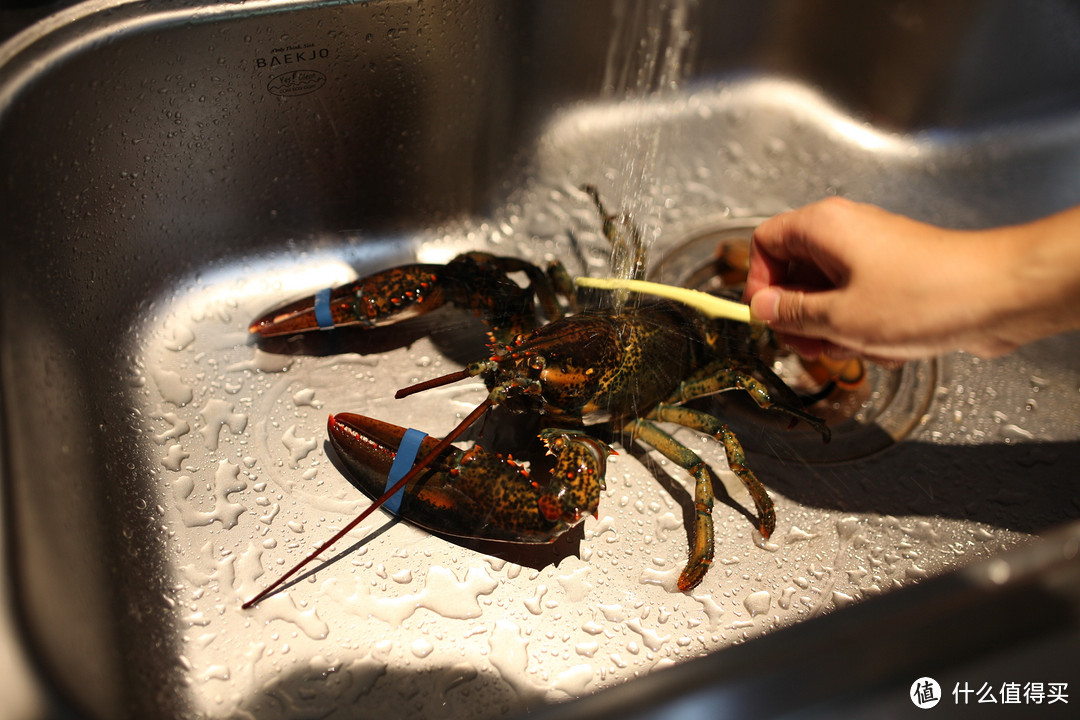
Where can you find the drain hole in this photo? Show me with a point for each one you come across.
(881, 410)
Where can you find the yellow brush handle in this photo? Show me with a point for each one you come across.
(708, 304)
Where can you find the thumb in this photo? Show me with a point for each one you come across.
(790, 311)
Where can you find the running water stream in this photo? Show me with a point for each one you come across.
(650, 53)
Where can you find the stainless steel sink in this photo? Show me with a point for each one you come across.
(171, 169)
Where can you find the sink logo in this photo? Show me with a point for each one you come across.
(296, 82)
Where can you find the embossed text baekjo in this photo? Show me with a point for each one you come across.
(292, 55)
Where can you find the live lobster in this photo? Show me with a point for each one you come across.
(618, 369)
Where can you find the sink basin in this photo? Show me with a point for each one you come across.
(171, 170)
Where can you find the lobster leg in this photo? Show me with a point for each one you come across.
(628, 251)
(701, 541)
(723, 375)
(701, 545)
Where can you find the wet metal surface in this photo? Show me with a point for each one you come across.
(211, 162)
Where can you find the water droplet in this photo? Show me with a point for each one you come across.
(1012, 433)
(758, 603)
(421, 647)
(574, 681)
(775, 146)
(649, 637)
(174, 457)
(298, 447)
(587, 648)
(841, 599)
(306, 397)
(177, 336)
(217, 414)
(798, 535)
(225, 511)
(573, 578)
(282, 606)
(171, 387)
(263, 362)
(846, 528)
(508, 653)
(177, 428)
(533, 603)
(216, 672)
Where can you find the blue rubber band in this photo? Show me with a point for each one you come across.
(403, 462)
(322, 309)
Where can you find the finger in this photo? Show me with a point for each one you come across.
(807, 238)
(794, 311)
(782, 252)
(765, 305)
(765, 269)
(787, 236)
(770, 237)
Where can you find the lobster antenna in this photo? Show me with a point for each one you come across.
(419, 466)
(433, 383)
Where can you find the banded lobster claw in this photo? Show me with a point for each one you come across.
(380, 299)
(475, 281)
(465, 493)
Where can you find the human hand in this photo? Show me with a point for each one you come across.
(842, 279)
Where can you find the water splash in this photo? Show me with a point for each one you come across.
(509, 654)
(650, 53)
(758, 603)
(224, 510)
(172, 387)
(218, 414)
(298, 447)
(442, 594)
(177, 428)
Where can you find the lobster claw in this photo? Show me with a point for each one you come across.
(465, 493)
(380, 299)
(578, 476)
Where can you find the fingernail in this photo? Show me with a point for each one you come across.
(765, 305)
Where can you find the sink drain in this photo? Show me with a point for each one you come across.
(881, 410)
